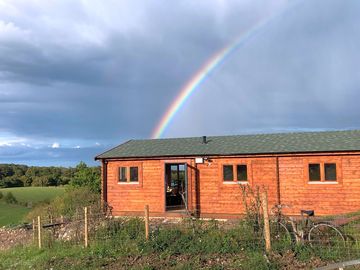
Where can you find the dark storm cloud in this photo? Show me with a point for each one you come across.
(300, 73)
(89, 71)
(49, 156)
(84, 71)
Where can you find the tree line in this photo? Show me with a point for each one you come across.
(14, 175)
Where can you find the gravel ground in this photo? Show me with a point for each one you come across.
(13, 237)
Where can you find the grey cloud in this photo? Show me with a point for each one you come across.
(301, 72)
(107, 71)
(49, 156)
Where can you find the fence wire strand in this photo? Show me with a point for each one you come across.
(320, 241)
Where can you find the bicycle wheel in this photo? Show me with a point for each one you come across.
(325, 235)
(280, 235)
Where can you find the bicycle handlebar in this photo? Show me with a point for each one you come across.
(279, 207)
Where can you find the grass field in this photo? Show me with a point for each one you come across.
(11, 214)
(14, 214)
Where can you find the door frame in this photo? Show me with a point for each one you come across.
(186, 195)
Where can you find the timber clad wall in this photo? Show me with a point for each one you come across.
(325, 198)
(212, 197)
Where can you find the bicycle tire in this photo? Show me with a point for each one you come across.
(280, 234)
(325, 235)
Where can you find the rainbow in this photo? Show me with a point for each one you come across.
(203, 73)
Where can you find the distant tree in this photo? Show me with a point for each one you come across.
(40, 181)
(6, 170)
(11, 181)
(86, 177)
(13, 175)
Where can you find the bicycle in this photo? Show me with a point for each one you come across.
(288, 230)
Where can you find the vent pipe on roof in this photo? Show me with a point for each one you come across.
(204, 140)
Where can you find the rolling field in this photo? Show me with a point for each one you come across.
(13, 214)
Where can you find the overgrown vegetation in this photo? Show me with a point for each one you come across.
(121, 244)
(250, 198)
(68, 204)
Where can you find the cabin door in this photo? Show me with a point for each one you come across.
(175, 186)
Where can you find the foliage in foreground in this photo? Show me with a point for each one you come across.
(121, 244)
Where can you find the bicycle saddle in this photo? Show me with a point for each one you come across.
(309, 213)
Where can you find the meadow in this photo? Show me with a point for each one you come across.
(13, 214)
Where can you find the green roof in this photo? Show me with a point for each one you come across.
(297, 142)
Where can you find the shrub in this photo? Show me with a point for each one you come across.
(71, 202)
(87, 177)
(10, 198)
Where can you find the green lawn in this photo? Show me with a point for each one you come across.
(34, 194)
(14, 214)
(11, 214)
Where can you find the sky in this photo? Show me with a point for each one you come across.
(79, 77)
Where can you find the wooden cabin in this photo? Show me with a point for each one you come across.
(204, 175)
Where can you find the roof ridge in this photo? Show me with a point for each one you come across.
(254, 134)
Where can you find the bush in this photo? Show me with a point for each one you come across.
(71, 202)
(10, 198)
(1, 195)
(87, 177)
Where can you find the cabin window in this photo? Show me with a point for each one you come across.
(234, 173)
(322, 172)
(228, 172)
(122, 174)
(330, 171)
(241, 171)
(314, 172)
(129, 174)
(134, 174)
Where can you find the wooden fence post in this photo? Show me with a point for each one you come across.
(147, 222)
(33, 230)
(39, 231)
(264, 203)
(86, 227)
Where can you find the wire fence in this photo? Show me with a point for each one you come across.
(333, 239)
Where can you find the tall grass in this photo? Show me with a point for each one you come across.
(121, 244)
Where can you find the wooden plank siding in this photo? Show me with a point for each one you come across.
(208, 194)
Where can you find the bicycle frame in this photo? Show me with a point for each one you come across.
(305, 230)
(299, 229)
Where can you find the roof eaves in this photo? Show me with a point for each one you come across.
(98, 156)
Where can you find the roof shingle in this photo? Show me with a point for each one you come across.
(298, 142)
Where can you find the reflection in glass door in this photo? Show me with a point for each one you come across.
(175, 185)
